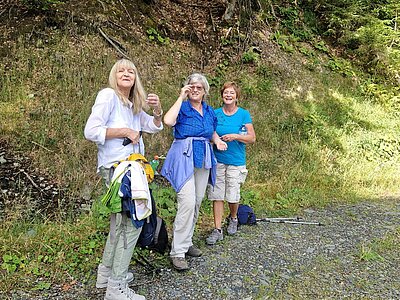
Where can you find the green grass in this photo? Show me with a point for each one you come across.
(381, 249)
(48, 250)
(321, 137)
(364, 266)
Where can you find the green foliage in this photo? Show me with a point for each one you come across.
(321, 136)
(386, 95)
(155, 36)
(341, 66)
(283, 205)
(249, 197)
(41, 4)
(307, 52)
(369, 254)
(42, 286)
(49, 250)
(321, 46)
(284, 41)
(367, 31)
(380, 249)
(383, 148)
(165, 200)
(226, 41)
(11, 262)
(250, 56)
(220, 73)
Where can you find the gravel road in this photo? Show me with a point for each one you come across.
(284, 261)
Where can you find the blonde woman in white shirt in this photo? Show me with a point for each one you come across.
(117, 115)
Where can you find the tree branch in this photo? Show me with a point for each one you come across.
(212, 19)
(127, 12)
(112, 43)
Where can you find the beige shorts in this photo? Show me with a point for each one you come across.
(227, 184)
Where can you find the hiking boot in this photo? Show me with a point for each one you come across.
(215, 236)
(180, 263)
(104, 273)
(119, 290)
(194, 252)
(232, 226)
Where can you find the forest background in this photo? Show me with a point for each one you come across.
(320, 79)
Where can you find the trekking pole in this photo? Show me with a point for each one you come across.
(279, 219)
(147, 264)
(296, 220)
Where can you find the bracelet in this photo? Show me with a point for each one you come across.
(157, 116)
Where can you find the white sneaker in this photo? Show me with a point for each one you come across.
(119, 290)
(104, 273)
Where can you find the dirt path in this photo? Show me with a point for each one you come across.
(285, 261)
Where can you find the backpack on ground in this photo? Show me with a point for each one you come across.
(154, 235)
(246, 215)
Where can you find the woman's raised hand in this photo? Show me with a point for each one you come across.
(153, 101)
(185, 91)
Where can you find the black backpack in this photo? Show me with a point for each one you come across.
(154, 235)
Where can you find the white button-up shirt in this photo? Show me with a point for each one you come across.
(108, 111)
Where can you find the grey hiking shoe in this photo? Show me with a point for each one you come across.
(180, 263)
(214, 237)
(194, 252)
(232, 226)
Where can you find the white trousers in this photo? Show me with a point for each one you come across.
(189, 200)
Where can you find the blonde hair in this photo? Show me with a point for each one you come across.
(137, 94)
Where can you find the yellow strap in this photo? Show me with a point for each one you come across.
(137, 156)
(145, 164)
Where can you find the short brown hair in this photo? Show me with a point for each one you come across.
(233, 85)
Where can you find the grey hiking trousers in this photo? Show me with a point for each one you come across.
(118, 254)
